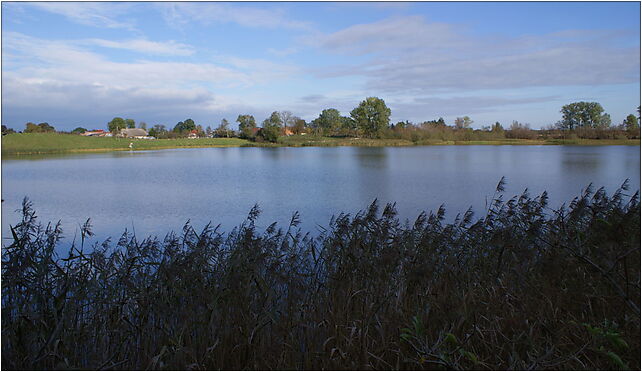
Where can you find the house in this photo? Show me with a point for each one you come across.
(94, 133)
(133, 133)
(288, 132)
(193, 134)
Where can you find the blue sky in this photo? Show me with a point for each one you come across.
(80, 64)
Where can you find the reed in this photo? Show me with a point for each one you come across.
(522, 287)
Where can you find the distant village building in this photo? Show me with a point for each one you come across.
(133, 133)
(94, 133)
(193, 134)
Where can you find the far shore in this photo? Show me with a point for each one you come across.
(15, 145)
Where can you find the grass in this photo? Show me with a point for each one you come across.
(38, 143)
(50, 143)
(522, 287)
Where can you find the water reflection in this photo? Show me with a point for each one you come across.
(371, 157)
(160, 190)
(580, 161)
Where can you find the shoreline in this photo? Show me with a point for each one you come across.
(18, 145)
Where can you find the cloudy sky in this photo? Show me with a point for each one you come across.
(80, 64)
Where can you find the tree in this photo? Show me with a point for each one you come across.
(223, 129)
(78, 130)
(142, 125)
(130, 123)
(272, 127)
(116, 124)
(371, 116)
(583, 115)
(6, 130)
(463, 123)
(299, 126)
(348, 124)
(38, 128)
(246, 125)
(185, 126)
(519, 130)
(287, 119)
(631, 124)
(158, 130)
(497, 128)
(329, 121)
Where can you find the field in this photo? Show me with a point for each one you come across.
(39, 143)
(50, 143)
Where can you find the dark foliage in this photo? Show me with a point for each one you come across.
(524, 287)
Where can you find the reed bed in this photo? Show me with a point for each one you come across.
(523, 287)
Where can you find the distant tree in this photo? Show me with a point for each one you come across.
(142, 125)
(31, 128)
(497, 128)
(45, 127)
(6, 130)
(209, 131)
(184, 126)
(158, 130)
(516, 125)
(189, 124)
(299, 126)
(329, 121)
(401, 125)
(463, 123)
(130, 123)
(272, 127)
(200, 131)
(38, 128)
(246, 126)
(519, 130)
(223, 130)
(116, 124)
(434, 124)
(287, 119)
(583, 115)
(348, 124)
(372, 116)
(631, 124)
(78, 130)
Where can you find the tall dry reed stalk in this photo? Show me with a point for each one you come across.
(524, 287)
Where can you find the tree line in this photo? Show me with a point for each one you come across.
(371, 119)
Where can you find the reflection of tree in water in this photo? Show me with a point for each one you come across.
(372, 157)
(580, 161)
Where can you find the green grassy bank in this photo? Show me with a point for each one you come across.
(50, 143)
(41, 143)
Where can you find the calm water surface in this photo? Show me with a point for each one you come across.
(154, 192)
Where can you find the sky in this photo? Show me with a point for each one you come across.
(77, 64)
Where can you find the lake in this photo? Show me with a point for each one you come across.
(153, 192)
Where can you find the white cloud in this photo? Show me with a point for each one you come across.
(97, 14)
(407, 54)
(62, 78)
(394, 34)
(179, 14)
(170, 48)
